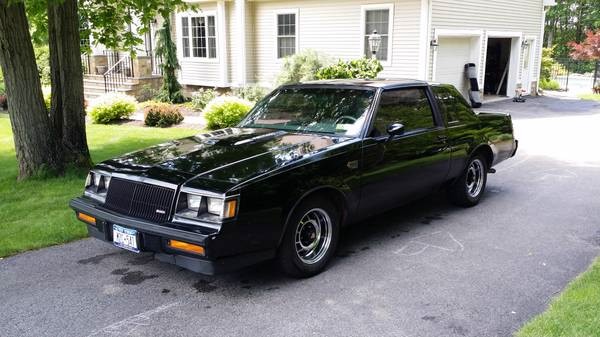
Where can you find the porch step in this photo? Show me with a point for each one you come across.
(94, 86)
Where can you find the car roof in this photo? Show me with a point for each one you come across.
(376, 83)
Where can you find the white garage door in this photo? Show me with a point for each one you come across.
(453, 53)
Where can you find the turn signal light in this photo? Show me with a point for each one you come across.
(230, 209)
(86, 218)
(186, 247)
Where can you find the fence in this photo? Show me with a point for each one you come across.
(576, 76)
(86, 64)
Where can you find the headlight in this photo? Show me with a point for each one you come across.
(194, 201)
(196, 205)
(96, 185)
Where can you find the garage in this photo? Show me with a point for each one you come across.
(497, 66)
(452, 55)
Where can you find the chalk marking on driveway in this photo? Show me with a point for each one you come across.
(424, 245)
(130, 324)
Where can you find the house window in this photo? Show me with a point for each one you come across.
(378, 18)
(185, 36)
(286, 34)
(199, 36)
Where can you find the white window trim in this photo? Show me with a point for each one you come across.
(192, 58)
(363, 19)
(276, 38)
(532, 56)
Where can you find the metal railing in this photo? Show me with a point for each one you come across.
(86, 64)
(118, 73)
(573, 75)
(156, 63)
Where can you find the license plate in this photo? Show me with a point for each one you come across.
(125, 238)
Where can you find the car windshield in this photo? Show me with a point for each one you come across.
(341, 111)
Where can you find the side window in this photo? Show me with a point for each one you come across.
(453, 104)
(407, 106)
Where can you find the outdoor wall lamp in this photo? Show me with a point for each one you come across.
(374, 43)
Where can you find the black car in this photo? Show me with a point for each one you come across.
(307, 160)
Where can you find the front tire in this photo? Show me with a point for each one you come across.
(310, 239)
(467, 190)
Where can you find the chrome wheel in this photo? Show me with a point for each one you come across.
(313, 236)
(475, 178)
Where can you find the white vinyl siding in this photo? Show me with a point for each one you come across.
(334, 28)
(524, 17)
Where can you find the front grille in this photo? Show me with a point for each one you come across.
(140, 200)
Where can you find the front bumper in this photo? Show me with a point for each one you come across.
(153, 238)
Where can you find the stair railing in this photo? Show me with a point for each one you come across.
(117, 75)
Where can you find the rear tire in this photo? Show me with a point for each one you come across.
(467, 190)
(310, 239)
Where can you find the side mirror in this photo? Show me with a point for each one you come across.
(395, 129)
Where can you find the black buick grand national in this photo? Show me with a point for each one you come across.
(307, 160)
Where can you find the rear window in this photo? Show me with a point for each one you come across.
(453, 104)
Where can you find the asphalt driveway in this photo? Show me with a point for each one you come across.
(428, 269)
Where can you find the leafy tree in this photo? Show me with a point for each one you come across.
(165, 47)
(589, 49)
(568, 21)
(51, 140)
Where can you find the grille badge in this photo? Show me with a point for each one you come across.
(160, 211)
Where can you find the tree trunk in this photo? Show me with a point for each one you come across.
(56, 109)
(35, 142)
(67, 81)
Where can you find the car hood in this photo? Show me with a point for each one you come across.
(229, 156)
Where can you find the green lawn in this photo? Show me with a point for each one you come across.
(35, 213)
(575, 313)
(590, 96)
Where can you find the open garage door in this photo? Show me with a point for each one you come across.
(452, 55)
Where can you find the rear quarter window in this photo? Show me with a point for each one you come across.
(453, 105)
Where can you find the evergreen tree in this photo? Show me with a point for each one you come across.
(166, 49)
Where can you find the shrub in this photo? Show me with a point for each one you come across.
(301, 67)
(250, 93)
(111, 107)
(226, 111)
(161, 114)
(364, 68)
(146, 93)
(549, 84)
(201, 97)
(42, 59)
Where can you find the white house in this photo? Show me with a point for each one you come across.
(239, 42)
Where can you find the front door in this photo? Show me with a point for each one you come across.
(407, 166)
